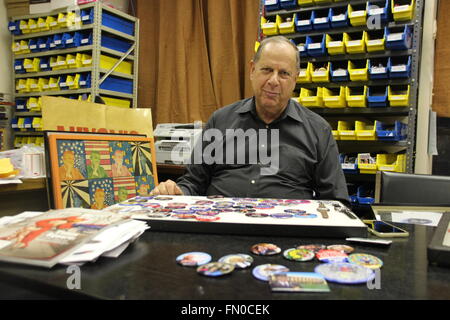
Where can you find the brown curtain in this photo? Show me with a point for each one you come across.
(194, 56)
(441, 96)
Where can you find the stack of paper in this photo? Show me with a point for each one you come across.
(67, 236)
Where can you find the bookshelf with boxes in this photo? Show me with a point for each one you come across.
(82, 52)
(359, 70)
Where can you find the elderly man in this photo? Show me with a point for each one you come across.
(300, 160)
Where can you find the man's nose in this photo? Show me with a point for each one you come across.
(274, 78)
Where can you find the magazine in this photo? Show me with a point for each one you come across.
(44, 239)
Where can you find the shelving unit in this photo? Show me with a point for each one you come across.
(395, 48)
(96, 46)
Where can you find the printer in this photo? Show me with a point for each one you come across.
(174, 142)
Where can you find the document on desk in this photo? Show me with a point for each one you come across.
(417, 217)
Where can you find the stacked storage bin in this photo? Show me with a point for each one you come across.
(356, 58)
(55, 55)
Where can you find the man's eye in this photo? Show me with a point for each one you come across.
(285, 74)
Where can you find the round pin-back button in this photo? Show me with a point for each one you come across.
(325, 255)
(183, 211)
(263, 206)
(264, 271)
(366, 260)
(281, 215)
(184, 216)
(193, 259)
(158, 215)
(218, 196)
(298, 254)
(215, 269)
(245, 210)
(345, 273)
(239, 260)
(265, 249)
(312, 247)
(256, 215)
(305, 215)
(207, 213)
(152, 205)
(161, 198)
(341, 247)
(203, 202)
(207, 218)
(296, 211)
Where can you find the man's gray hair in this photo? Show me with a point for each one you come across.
(277, 39)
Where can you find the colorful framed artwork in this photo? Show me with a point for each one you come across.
(98, 170)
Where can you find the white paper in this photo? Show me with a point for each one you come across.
(417, 217)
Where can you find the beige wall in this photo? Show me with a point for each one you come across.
(6, 85)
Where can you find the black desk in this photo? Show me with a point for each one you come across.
(147, 270)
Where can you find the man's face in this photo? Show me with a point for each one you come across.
(68, 159)
(273, 77)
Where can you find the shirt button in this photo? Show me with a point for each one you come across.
(253, 181)
(263, 146)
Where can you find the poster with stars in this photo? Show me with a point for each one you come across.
(98, 170)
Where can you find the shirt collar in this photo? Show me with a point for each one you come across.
(292, 110)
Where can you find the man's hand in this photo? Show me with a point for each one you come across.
(168, 187)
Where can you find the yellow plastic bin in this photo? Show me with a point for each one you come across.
(86, 60)
(346, 130)
(355, 42)
(32, 65)
(358, 70)
(43, 24)
(403, 10)
(287, 25)
(334, 128)
(62, 20)
(37, 125)
(40, 141)
(53, 83)
(357, 14)
(365, 130)
(367, 163)
(73, 81)
(60, 63)
(52, 23)
(23, 26)
(311, 98)
(74, 61)
(42, 84)
(356, 96)
(398, 95)
(33, 25)
(15, 47)
(305, 2)
(34, 104)
(304, 75)
(123, 103)
(335, 44)
(375, 40)
(320, 72)
(270, 27)
(107, 63)
(22, 86)
(322, 1)
(391, 162)
(334, 98)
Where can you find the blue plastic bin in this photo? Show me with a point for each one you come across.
(315, 46)
(400, 67)
(32, 45)
(14, 124)
(86, 39)
(320, 19)
(18, 66)
(288, 4)
(87, 16)
(303, 21)
(391, 132)
(85, 80)
(117, 23)
(117, 84)
(72, 40)
(379, 9)
(28, 124)
(378, 68)
(377, 97)
(349, 163)
(21, 105)
(271, 5)
(14, 28)
(58, 42)
(115, 44)
(63, 82)
(339, 71)
(301, 45)
(339, 17)
(44, 64)
(365, 195)
(399, 38)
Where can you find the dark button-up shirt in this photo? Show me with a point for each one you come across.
(294, 157)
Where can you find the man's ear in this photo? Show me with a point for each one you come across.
(252, 68)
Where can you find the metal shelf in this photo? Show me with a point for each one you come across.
(371, 143)
(27, 114)
(359, 56)
(52, 73)
(54, 93)
(118, 74)
(28, 133)
(118, 33)
(336, 112)
(54, 52)
(355, 83)
(116, 94)
(52, 32)
(116, 53)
